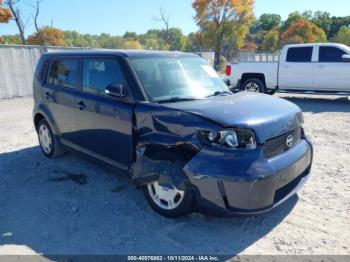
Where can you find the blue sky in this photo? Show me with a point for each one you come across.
(117, 16)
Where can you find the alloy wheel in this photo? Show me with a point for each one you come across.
(45, 139)
(164, 197)
(252, 87)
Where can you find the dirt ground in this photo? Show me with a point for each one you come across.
(74, 206)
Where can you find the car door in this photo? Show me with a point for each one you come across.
(297, 70)
(105, 122)
(331, 73)
(59, 95)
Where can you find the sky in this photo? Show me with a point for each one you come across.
(115, 17)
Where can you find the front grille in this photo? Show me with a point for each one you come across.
(278, 145)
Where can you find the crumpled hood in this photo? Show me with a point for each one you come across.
(268, 116)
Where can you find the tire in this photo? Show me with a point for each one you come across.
(254, 83)
(184, 206)
(270, 92)
(49, 143)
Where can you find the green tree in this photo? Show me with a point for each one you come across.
(323, 20)
(271, 40)
(131, 35)
(337, 23)
(343, 36)
(195, 42)
(110, 42)
(267, 22)
(11, 40)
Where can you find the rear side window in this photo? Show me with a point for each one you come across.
(63, 72)
(330, 54)
(98, 74)
(43, 70)
(299, 54)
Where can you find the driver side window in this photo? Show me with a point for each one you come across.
(98, 74)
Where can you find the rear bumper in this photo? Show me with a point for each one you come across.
(250, 184)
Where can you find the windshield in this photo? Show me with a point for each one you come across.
(178, 78)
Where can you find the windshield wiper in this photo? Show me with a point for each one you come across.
(176, 99)
(217, 93)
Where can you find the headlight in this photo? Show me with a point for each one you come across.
(237, 138)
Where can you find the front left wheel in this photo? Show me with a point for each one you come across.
(169, 201)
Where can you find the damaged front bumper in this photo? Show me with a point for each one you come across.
(245, 182)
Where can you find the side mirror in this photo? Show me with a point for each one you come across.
(345, 58)
(116, 90)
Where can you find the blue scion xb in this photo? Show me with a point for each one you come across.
(170, 122)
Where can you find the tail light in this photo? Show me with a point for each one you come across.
(228, 70)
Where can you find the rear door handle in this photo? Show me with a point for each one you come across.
(81, 105)
(48, 95)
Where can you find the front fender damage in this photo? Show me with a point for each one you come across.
(164, 164)
(166, 140)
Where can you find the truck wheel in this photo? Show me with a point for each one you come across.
(49, 143)
(169, 201)
(254, 85)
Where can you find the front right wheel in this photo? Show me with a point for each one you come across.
(169, 201)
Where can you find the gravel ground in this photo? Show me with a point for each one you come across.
(74, 206)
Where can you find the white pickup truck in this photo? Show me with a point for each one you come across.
(307, 68)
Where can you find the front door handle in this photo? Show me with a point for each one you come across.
(81, 105)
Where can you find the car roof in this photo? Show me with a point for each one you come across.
(317, 44)
(125, 53)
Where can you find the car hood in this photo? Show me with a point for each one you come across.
(268, 116)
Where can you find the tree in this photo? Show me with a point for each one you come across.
(343, 36)
(5, 14)
(132, 44)
(174, 39)
(271, 40)
(48, 36)
(36, 7)
(195, 42)
(10, 40)
(16, 13)
(110, 42)
(267, 22)
(131, 35)
(220, 19)
(323, 20)
(303, 31)
(249, 47)
(337, 23)
(152, 40)
(165, 19)
(292, 18)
